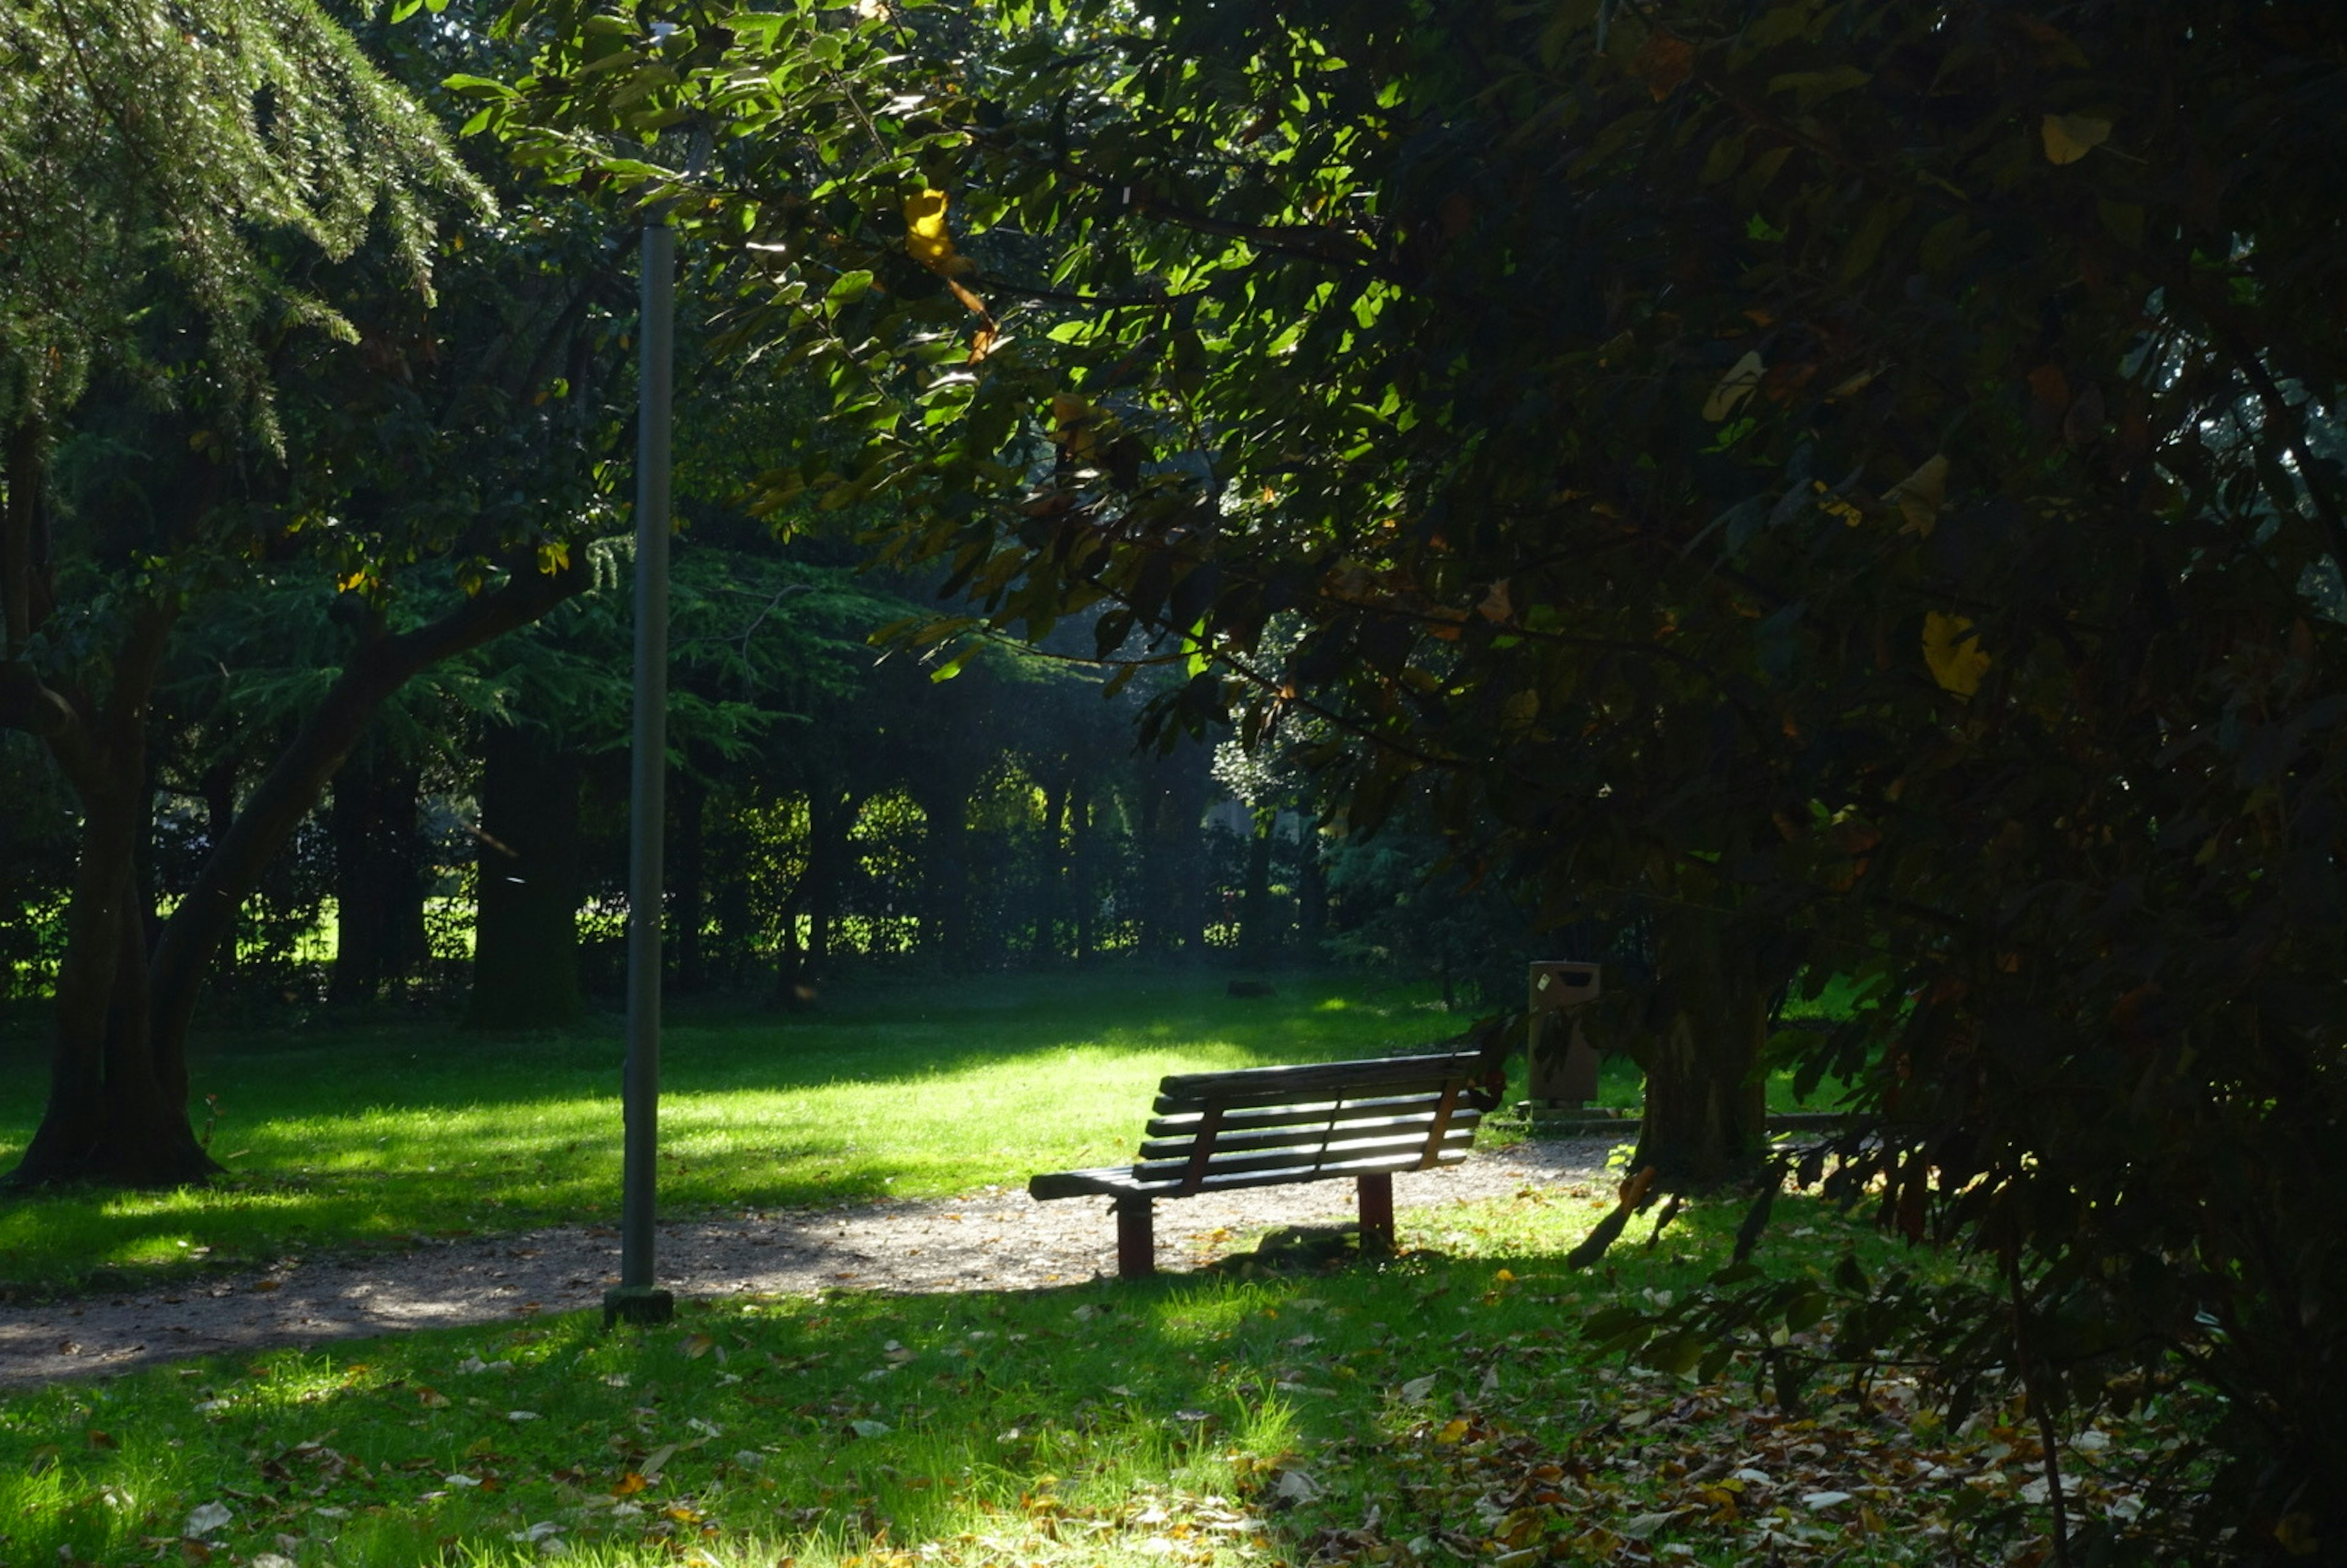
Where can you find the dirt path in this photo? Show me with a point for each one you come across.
(989, 1240)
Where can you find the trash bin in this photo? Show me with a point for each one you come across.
(1563, 1063)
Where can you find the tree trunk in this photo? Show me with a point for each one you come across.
(1173, 873)
(218, 786)
(119, 1083)
(526, 929)
(1051, 870)
(1311, 894)
(1706, 1119)
(1257, 939)
(1082, 802)
(831, 818)
(117, 1110)
(688, 902)
(944, 797)
(378, 877)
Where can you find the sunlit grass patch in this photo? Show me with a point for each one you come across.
(1438, 1408)
(371, 1136)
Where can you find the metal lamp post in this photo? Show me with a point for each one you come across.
(637, 1298)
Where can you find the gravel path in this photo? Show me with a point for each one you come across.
(989, 1240)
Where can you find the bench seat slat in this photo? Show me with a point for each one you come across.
(1118, 1181)
(1406, 1149)
(1305, 1132)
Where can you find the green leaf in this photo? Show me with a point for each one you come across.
(472, 86)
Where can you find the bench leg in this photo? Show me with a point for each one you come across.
(1376, 1213)
(1136, 1239)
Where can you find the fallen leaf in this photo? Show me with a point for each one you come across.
(1644, 1526)
(629, 1485)
(1920, 496)
(871, 1429)
(696, 1346)
(1734, 387)
(207, 1518)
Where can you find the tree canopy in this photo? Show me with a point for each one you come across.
(1854, 484)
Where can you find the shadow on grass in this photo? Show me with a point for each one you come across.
(1106, 1423)
(372, 1135)
(1118, 1418)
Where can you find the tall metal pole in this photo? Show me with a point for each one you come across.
(637, 1298)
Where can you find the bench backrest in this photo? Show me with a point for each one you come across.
(1259, 1126)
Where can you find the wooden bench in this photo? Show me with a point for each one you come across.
(1266, 1126)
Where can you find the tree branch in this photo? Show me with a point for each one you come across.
(292, 787)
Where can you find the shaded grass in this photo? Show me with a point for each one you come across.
(371, 1136)
(1435, 1408)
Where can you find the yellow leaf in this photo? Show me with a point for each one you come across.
(2070, 137)
(1920, 496)
(553, 557)
(1074, 424)
(628, 1485)
(926, 238)
(2295, 1531)
(1733, 388)
(356, 580)
(1451, 1432)
(696, 1346)
(1953, 653)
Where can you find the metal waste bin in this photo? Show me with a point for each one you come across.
(1563, 1063)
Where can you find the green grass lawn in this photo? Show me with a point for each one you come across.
(370, 1136)
(1434, 1408)
(356, 1137)
(1412, 1412)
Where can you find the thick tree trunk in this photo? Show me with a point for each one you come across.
(118, 1086)
(378, 878)
(526, 929)
(831, 818)
(1706, 1119)
(117, 1110)
(1174, 873)
(944, 798)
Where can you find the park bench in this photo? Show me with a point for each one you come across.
(1267, 1126)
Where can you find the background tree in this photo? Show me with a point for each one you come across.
(219, 168)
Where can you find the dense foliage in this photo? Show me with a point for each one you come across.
(1848, 485)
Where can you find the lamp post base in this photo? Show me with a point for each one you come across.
(638, 1303)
